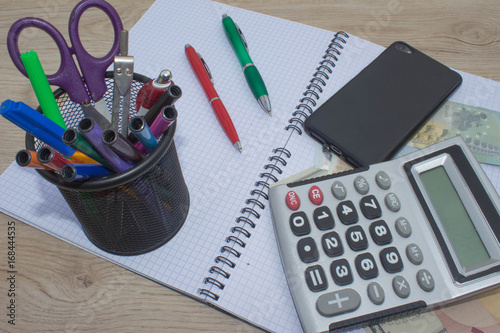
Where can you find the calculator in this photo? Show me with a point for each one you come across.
(391, 239)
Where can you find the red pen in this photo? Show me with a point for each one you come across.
(201, 71)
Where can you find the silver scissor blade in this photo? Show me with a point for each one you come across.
(91, 112)
(102, 108)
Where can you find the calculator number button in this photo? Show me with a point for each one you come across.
(392, 202)
(366, 266)
(300, 224)
(361, 185)
(315, 195)
(347, 213)
(403, 227)
(370, 207)
(380, 232)
(341, 272)
(401, 286)
(414, 254)
(383, 180)
(376, 293)
(356, 238)
(316, 278)
(323, 218)
(339, 191)
(332, 245)
(391, 260)
(307, 249)
(292, 200)
(337, 302)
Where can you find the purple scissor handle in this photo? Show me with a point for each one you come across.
(68, 76)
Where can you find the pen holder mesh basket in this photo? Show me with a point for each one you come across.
(132, 212)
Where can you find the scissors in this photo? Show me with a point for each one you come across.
(90, 88)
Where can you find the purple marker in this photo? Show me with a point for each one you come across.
(166, 117)
(122, 146)
(93, 134)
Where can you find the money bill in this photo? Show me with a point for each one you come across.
(479, 127)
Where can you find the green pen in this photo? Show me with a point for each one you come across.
(252, 75)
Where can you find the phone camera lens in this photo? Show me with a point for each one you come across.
(403, 48)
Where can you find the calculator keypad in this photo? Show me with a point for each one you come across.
(365, 239)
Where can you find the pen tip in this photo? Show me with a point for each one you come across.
(265, 103)
(237, 145)
(224, 15)
(186, 46)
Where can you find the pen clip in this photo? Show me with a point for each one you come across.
(206, 68)
(243, 39)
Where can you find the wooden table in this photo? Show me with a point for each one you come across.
(60, 287)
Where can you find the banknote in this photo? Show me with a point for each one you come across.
(476, 314)
(479, 127)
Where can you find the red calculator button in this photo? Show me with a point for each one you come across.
(292, 200)
(315, 195)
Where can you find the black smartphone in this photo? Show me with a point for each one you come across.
(375, 113)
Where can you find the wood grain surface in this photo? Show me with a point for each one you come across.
(61, 288)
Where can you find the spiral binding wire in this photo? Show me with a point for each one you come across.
(259, 195)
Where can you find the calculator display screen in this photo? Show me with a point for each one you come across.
(454, 217)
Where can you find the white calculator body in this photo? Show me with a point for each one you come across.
(391, 239)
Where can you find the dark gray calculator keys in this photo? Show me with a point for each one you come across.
(332, 245)
(370, 207)
(316, 278)
(341, 272)
(381, 235)
(356, 238)
(323, 218)
(299, 224)
(391, 260)
(366, 266)
(347, 213)
(307, 249)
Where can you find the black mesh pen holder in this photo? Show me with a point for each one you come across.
(132, 212)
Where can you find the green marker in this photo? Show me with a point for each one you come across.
(252, 75)
(72, 138)
(41, 87)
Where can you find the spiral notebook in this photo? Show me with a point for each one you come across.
(226, 254)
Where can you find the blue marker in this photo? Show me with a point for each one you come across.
(141, 130)
(40, 127)
(71, 172)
